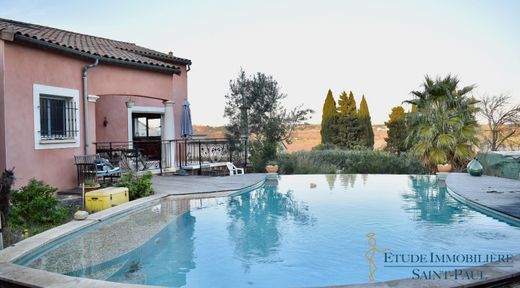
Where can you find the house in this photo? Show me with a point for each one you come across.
(61, 91)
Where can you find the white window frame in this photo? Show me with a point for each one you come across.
(143, 109)
(70, 94)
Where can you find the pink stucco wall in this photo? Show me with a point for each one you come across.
(2, 122)
(25, 66)
(113, 107)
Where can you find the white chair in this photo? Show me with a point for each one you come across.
(233, 170)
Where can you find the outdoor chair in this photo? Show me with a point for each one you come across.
(93, 167)
(233, 170)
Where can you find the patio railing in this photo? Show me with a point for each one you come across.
(162, 155)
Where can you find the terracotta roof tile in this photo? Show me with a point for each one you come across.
(97, 46)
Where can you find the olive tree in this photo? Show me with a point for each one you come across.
(254, 106)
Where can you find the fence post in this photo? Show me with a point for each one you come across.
(200, 160)
(185, 151)
(161, 158)
(229, 151)
(136, 150)
(1, 233)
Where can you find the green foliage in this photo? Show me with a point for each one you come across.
(326, 146)
(352, 104)
(346, 126)
(397, 131)
(90, 182)
(366, 132)
(254, 106)
(346, 132)
(138, 185)
(327, 118)
(35, 208)
(262, 152)
(343, 103)
(258, 97)
(350, 162)
(444, 126)
(347, 104)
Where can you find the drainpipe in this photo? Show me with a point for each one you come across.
(85, 101)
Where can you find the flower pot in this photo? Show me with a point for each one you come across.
(444, 167)
(271, 168)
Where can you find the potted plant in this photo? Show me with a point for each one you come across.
(90, 185)
(271, 167)
(444, 166)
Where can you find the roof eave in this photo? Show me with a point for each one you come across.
(70, 51)
(173, 60)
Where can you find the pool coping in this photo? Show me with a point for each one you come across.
(30, 277)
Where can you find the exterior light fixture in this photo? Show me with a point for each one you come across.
(130, 103)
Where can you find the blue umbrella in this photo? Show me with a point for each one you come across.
(186, 128)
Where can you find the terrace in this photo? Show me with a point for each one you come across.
(195, 156)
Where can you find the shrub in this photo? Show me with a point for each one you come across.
(138, 185)
(34, 208)
(325, 146)
(348, 161)
(261, 153)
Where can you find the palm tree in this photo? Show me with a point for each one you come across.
(444, 128)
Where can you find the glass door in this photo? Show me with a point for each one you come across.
(146, 131)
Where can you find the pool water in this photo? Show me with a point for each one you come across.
(287, 234)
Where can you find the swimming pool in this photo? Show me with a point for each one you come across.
(288, 234)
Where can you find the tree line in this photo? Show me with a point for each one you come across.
(343, 125)
(441, 126)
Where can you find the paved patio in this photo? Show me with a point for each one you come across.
(180, 185)
(500, 194)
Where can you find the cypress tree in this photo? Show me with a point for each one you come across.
(366, 133)
(346, 125)
(352, 103)
(327, 118)
(397, 131)
(343, 103)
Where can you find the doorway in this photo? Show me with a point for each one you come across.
(146, 134)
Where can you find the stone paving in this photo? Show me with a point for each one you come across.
(178, 185)
(499, 194)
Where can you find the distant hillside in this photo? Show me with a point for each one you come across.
(209, 131)
(308, 135)
(305, 137)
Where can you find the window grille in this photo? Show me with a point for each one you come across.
(57, 118)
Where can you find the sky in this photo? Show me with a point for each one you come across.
(380, 49)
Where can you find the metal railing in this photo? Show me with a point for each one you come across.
(177, 153)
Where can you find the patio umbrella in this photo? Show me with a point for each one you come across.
(186, 128)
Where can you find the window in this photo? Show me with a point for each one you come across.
(146, 125)
(56, 117)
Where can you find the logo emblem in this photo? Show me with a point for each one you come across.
(371, 253)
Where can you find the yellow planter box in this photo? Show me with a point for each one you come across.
(102, 199)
